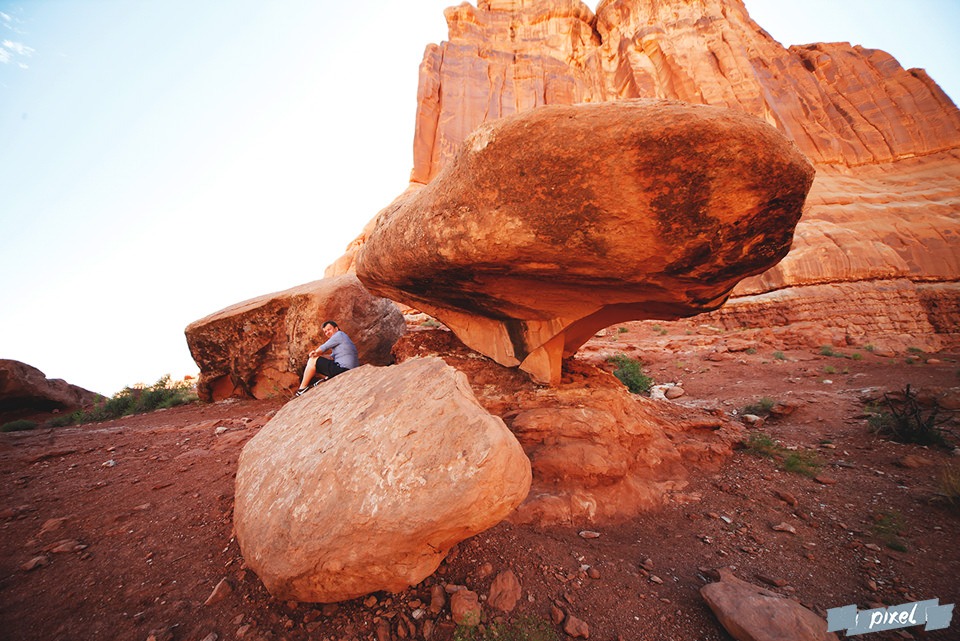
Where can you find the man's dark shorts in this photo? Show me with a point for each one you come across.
(329, 368)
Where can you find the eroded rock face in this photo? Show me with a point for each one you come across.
(555, 223)
(840, 103)
(884, 206)
(258, 348)
(598, 453)
(752, 613)
(24, 387)
(364, 483)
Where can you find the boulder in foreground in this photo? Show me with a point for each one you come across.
(553, 224)
(752, 613)
(367, 481)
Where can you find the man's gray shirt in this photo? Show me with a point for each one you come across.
(343, 351)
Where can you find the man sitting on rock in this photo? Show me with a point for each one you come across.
(343, 356)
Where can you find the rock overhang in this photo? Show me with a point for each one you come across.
(552, 224)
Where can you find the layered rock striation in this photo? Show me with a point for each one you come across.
(841, 104)
(884, 211)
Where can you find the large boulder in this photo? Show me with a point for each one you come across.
(598, 453)
(752, 613)
(558, 222)
(24, 387)
(366, 482)
(258, 348)
(885, 206)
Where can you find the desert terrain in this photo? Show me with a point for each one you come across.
(123, 530)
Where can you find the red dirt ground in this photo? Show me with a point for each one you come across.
(129, 523)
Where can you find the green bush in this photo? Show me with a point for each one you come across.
(523, 628)
(630, 373)
(760, 408)
(130, 400)
(779, 356)
(803, 462)
(762, 445)
(20, 425)
(888, 527)
(950, 485)
(59, 421)
(905, 421)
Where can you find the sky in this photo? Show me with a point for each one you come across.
(163, 159)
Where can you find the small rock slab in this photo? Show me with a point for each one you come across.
(752, 613)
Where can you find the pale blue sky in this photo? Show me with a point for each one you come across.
(160, 160)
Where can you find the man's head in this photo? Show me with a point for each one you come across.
(329, 328)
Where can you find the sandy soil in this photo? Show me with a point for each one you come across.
(123, 530)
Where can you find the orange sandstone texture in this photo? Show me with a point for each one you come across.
(840, 103)
(550, 225)
(884, 210)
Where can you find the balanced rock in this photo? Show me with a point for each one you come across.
(874, 258)
(752, 613)
(364, 483)
(24, 387)
(258, 348)
(553, 224)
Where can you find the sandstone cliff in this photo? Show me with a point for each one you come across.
(883, 216)
(841, 104)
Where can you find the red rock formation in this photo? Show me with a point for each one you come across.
(840, 104)
(884, 207)
(553, 224)
(258, 348)
(24, 388)
(598, 453)
(366, 482)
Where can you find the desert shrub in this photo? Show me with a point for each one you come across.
(131, 400)
(888, 527)
(950, 485)
(759, 408)
(779, 355)
(523, 628)
(762, 445)
(630, 373)
(803, 462)
(826, 350)
(20, 425)
(622, 330)
(905, 421)
(857, 356)
(59, 421)
(829, 369)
